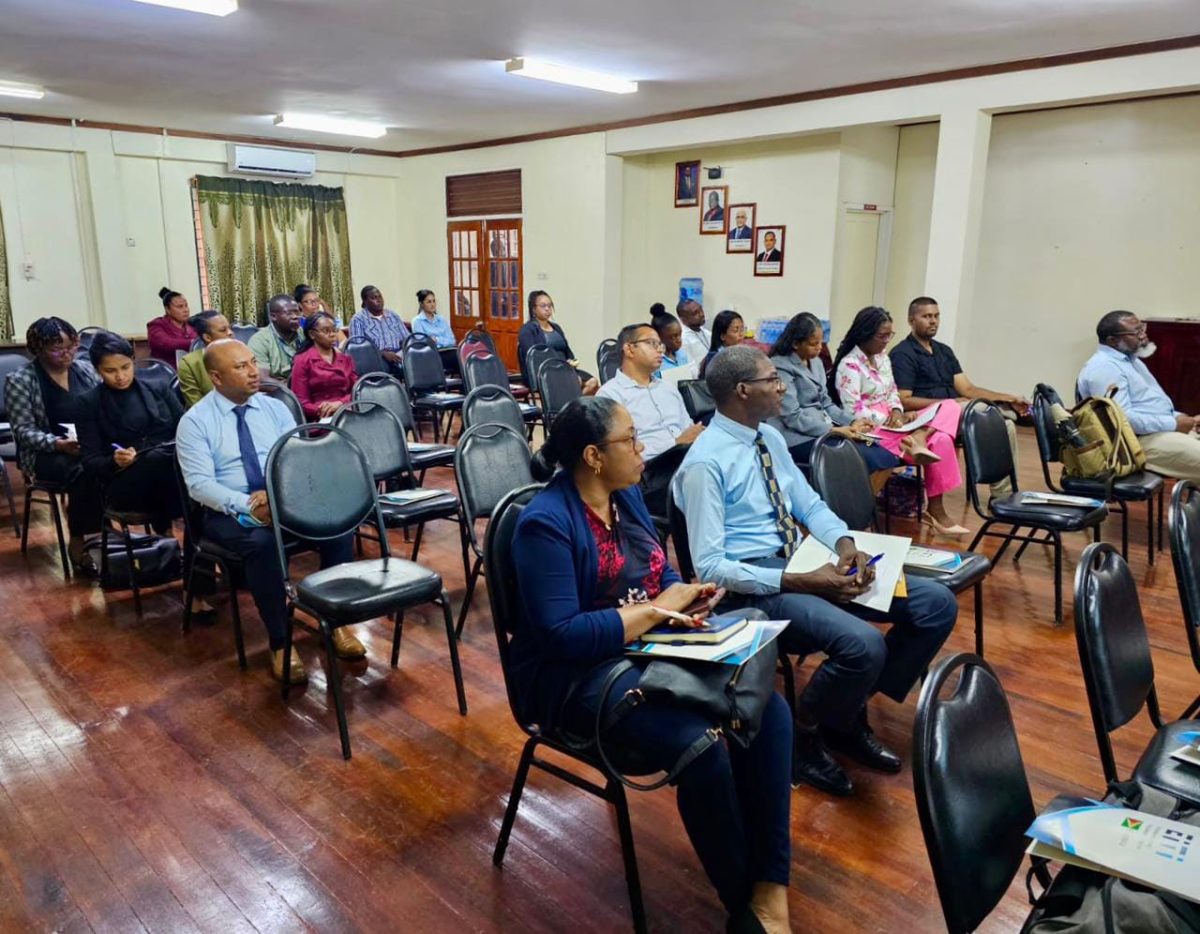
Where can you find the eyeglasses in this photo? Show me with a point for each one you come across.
(655, 343)
(63, 350)
(776, 379)
(1140, 332)
(632, 441)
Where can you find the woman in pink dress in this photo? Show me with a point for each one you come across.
(865, 386)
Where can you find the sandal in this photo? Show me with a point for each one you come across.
(939, 529)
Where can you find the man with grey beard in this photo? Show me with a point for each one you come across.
(1168, 437)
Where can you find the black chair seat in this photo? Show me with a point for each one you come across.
(216, 550)
(529, 412)
(454, 383)
(974, 568)
(442, 506)
(438, 400)
(1137, 486)
(127, 516)
(1157, 768)
(361, 590)
(436, 455)
(8, 451)
(1013, 508)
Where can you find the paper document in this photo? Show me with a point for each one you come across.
(1059, 499)
(812, 554)
(677, 374)
(936, 559)
(927, 415)
(405, 497)
(1190, 751)
(733, 651)
(1121, 842)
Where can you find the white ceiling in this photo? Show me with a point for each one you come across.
(432, 69)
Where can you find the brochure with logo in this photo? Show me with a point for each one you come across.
(733, 651)
(935, 559)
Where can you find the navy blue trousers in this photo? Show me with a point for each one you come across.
(735, 802)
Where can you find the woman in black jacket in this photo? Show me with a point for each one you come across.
(540, 329)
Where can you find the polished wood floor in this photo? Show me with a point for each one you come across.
(147, 783)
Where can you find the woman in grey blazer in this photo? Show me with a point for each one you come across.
(807, 411)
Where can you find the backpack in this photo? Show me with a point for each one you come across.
(1096, 440)
(157, 559)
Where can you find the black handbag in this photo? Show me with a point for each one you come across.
(157, 559)
(733, 698)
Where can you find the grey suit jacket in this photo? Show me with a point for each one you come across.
(807, 411)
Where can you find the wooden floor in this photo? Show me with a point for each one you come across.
(146, 783)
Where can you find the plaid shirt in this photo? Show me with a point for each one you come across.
(27, 410)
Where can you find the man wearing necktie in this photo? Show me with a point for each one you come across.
(745, 502)
(222, 443)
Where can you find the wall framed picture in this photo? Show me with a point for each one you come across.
(769, 250)
(687, 184)
(713, 217)
(740, 236)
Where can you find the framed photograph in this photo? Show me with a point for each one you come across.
(740, 236)
(712, 209)
(687, 184)
(769, 249)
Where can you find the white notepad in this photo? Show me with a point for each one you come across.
(812, 554)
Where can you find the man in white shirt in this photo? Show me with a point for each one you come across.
(697, 339)
(659, 416)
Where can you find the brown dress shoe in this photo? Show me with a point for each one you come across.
(297, 673)
(346, 645)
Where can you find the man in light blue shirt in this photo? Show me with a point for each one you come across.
(1168, 437)
(222, 444)
(743, 497)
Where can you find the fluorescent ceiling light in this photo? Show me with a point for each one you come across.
(15, 89)
(338, 125)
(563, 74)
(211, 7)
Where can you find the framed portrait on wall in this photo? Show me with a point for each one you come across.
(768, 254)
(687, 184)
(712, 209)
(740, 236)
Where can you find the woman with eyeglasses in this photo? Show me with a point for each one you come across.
(43, 406)
(322, 376)
(729, 330)
(542, 329)
(594, 576)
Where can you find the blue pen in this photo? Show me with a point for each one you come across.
(870, 563)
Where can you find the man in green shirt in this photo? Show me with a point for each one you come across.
(276, 345)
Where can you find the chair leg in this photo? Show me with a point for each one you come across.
(189, 580)
(416, 549)
(25, 524)
(238, 639)
(1025, 544)
(514, 800)
(335, 685)
(1058, 601)
(133, 583)
(58, 529)
(1150, 527)
(789, 682)
(288, 629)
(625, 829)
(452, 642)
(1124, 532)
(467, 597)
(979, 618)
(466, 545)
(397, 632)
(12, 506)
(104, 550)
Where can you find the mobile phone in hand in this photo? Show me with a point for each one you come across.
(705, 605)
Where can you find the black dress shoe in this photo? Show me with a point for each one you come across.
(813, 765)
(744, 922)
(861, 745)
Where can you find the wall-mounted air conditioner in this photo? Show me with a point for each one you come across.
(266, 160)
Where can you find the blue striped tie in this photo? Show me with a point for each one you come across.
(789, 531)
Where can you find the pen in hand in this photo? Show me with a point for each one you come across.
(871, 563)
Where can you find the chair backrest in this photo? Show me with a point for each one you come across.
(243, 332)
(558, 384)
(484, 369)
(197, 344)
(155, 372)
(388, 392)
(986, 449)
(286, 396)
(9, 364)
(535, 356)
(1185, 553)
(479, 336)
(1114, 650)
(470, 347)
(679, 536)
(320, 486)
(379, 434)
(423, 370)
(609, 365)
(503, 593)
(1044, 426)
(490, 461)
(607, 346)
(697, 399)
(840, 477)
(87, 335)
(365, 356)
(492, 405)
(972, 792)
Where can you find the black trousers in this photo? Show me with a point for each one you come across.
(83, 490)
(148, 485)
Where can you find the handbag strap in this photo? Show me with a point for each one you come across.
(632, 699)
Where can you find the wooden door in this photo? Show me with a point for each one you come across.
(486, 281)
(466, 305)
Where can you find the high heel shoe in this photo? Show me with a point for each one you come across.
(919, 453)
(939, 529)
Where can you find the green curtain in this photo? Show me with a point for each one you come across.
(6, 319)
(263, 238)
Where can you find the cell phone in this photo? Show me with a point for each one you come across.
(248, 521)
(705, 605)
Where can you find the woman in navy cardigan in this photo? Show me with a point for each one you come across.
(593, 575)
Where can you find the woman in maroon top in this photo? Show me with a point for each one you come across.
(171, 332)
(321, 376)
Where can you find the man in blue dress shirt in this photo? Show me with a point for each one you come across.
(744, 498)
(222, 443)
(1168, 437)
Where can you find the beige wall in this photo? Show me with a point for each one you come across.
(915, 162)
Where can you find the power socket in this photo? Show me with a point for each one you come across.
(27, 269)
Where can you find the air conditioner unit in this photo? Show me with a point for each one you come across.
(266, 160)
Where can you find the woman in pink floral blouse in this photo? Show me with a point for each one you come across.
(865, 386)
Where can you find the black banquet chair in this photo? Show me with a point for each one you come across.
(558, 384)
(840, 476)
(505, 602)
(391, 394)
(989, 460)
(155, 372)
(697, 400)
(488, 370)
(974, 827)
(608, 360)
(535, 356)
(9, 363)
(312, 457)
(365, 356)
(243, 332)
(425, 380)
(1185, 552)
(1114, 653)
(1120, 492)
(286, 396)
(492, 405)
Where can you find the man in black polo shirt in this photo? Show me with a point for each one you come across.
(927, 370)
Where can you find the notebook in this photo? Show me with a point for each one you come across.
(715, 630)
(888, 570)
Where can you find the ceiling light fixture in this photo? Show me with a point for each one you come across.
(338, 125)
(564, 74)
(16, 89)
(211, 7)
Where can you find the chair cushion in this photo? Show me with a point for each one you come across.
(439, 400)
(1012, 508)
(437, 455)
(360, 590)
(442, 506)
(974, 568)
(1137, 486)
(1157, 768)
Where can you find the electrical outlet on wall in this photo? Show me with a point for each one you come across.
(27, 269)
(542, 277)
